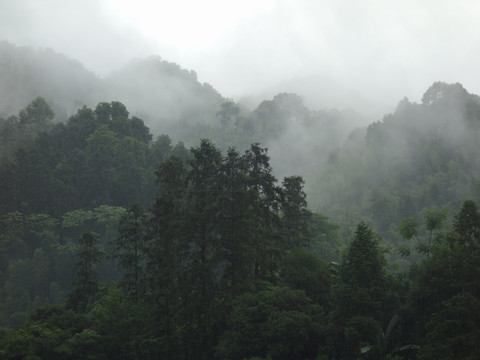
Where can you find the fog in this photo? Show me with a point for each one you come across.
(368, 52)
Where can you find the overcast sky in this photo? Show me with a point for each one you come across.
(385, 49)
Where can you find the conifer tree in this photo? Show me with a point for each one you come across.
(129, 248)
(85, 284)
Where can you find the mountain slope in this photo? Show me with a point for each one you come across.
(422, 156)
(26, 73)
(158, 91)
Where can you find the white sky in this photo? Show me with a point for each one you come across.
(385, 49)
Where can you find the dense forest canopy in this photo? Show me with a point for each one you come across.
(176, 225)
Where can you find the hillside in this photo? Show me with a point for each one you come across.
(119, 243)
(160, 92)
(424, 155)
(110, 247)
(26, 73)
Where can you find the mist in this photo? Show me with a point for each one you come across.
(377, 51)
(302, 76)
(175, 174)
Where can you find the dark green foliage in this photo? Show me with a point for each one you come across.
(453, 331)
(236, 222)
(165, 251)
(122, 325)
(467, 225)
(219, 260)
(305, 271)
(364, 264)
(86, 282)
(277, 323)
(296, 217)
(263, 206)
(325, 237)
(364, 298)
(48, 334)
(96, 157)
(129, 248)
(441, 289)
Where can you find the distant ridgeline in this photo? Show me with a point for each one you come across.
(118, 243)
(154, 88)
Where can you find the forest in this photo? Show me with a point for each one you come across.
(186, 225)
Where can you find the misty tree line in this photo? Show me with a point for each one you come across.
(216, 260)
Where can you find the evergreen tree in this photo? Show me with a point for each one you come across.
(165, 251)
(235, 224)
(296, 217)
(85, 284)
(362, 297)
(467, 224)
(129, 248)
(264, 207)
(202, 265)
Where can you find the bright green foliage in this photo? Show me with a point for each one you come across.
(434, 220)
(408, 228)
(76, 218)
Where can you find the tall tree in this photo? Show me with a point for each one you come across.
(363, 300)
(37, 115)
(264, 207)
(296, 217)
(236, 223)
(204, 258)
(85, 284)
(129, 248)
(467, 224)
(165, 252)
